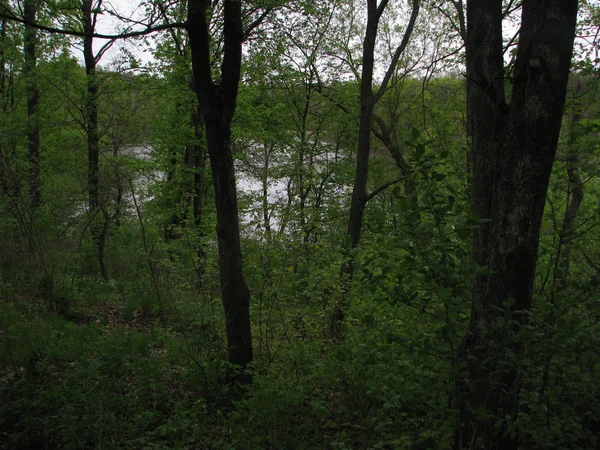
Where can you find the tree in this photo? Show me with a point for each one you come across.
(195, 155)
(513, 144)
(90, 13)
(30, 8)
(216, 107)
(368, 99)
(7, 104)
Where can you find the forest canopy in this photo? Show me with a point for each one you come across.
(363, 224)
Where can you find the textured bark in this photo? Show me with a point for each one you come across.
(30, 8)
(216, 107)
(512, 150)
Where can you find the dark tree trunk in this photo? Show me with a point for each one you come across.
(99, 231)
(368, 99)
(91, 108)
(8, 146)
(217, 105)
(574, 199)
(198, 156)
(33, 99)
(119, 181)
(359, 190)
(174, 200)
(512, 151)
(267, 149)
(3, 104)
(367, 105)
(386, 134)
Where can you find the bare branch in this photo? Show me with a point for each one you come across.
(125, 35)
(256, 23)
(383, 187)
(407, 33)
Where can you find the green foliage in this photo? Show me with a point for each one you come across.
(82, 386)
(138, 361)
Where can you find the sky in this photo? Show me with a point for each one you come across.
(111, 25)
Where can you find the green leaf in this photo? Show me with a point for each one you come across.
(419, 150)
(415, 134)
(511, 355)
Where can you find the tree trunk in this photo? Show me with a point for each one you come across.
(512, 151)
(359, 189)
(8, 145)
(216, 107)
(368, 99)
(93, 139)
(574, 199)
(3, 104)
(118, 179)
(367, 105)
(267, 149)
(198, 155)
(91, 109)
(33, 99)
(386, 134)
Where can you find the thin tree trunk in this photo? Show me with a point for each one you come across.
(119, 181)
(574, 199)
(367, 105)
(368, 99)
(359, 190)
(91, 109)
(33, 99)
(512, 151)
(3, 104)
(174, 201)
(216, 107)
(185, 183)
(265, 190)
(93, 138)
(387, 136)
(199, 167)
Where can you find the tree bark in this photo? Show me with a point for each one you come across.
(3, 171)
(216, 107)
(99, 231)
(33, 99)
(368, 99)
(512, 151)
(199, 165)
(367, 105)
(387, 135)
(91, 108)
(267, 149)
(574, 200)
(359, 189)
(575, 197)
